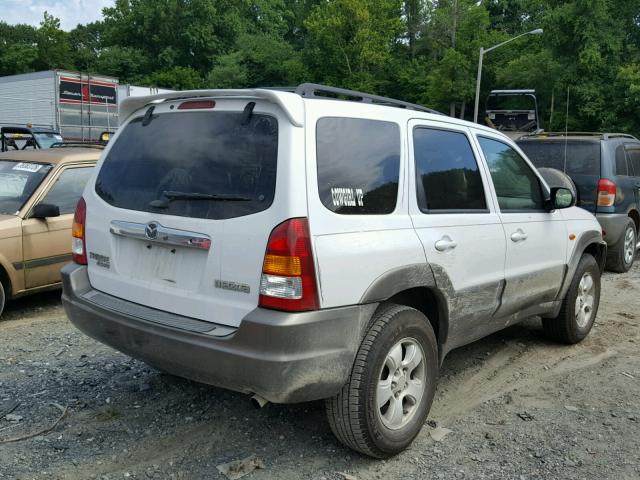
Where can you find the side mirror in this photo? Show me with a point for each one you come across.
(45, 210)
(561, 198)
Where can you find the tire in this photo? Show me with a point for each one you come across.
(623, 254)
(572, 325)
(353, 414)
(2, 298)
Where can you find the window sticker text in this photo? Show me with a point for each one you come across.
(347, 197)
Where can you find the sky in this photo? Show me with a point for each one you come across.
(70, 12)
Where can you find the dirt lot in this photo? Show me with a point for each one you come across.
(519, 407)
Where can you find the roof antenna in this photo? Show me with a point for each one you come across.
(566, 132)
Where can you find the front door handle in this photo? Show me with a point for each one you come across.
(445, 244)
(519, 236)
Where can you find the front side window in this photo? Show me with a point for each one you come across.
(68, 188)
(358, 165)
(517, 186)
(213, 165)
(447, 174)
(18, 181)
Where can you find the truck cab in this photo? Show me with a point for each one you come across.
(25, 138)
(513, 112)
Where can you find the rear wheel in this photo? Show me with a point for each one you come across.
(2, 298)
(624, 252)
(579, 307)
(386, 400)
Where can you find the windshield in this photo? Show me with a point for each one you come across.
(212, 164)
(18, 181)
(583, 157)
(47, 139)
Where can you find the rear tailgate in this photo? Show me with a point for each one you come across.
(183, 205)
(579, 158)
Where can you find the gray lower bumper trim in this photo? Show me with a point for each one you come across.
(283, 357)
(156, 316)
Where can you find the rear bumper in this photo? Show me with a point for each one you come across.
(613, 224)
(284, 357)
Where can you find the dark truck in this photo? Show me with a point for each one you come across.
(513, 112)
(23, 138)
(605, 168)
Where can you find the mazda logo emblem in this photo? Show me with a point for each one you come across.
(151, 230)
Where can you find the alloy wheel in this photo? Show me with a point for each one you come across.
(401, 384)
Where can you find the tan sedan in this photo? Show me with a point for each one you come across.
(39, 190)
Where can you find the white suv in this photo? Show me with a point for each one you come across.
(322, 244)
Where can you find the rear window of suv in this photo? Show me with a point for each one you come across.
(358, 165)
(583, 157)
(229, 167)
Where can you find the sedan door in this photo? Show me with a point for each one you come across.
(536, 239)
(47, 242)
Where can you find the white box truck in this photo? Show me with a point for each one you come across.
(78, 106)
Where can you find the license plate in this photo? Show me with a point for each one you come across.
(157, 263)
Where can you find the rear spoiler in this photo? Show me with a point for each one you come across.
(290, 103)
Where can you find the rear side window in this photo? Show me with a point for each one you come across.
(193, 164)
(358, 165)
(517, 186)
(634, 157)
(67, 190)
(582, 157)
(621, 161)
(447, 172)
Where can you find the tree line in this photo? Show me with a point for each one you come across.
(422, 51)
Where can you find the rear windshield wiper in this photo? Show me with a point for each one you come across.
(170, 196)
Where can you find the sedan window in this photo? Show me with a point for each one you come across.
(18, 181)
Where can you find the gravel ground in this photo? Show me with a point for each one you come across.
(519, 407)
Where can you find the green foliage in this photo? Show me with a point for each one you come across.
(424, 51)
(349, 41)
(178, 78)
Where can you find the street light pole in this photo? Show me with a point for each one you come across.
(478, 82)
(537, 31)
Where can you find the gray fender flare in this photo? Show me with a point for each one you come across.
(590, 237)
(397, 280)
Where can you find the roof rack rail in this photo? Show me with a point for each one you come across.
(311, 90)
(618, 135)
(603, 136)
(563, 134)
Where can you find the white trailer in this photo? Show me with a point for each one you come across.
(77, 105)
(125, 90)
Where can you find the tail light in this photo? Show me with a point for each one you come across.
(606, 193)
(288, 274)
(196, 104)
(78, 246)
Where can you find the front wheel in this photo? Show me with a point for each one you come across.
(580, 305)
(389, 393)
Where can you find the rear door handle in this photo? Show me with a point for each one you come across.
(445, 244)
(519, 236)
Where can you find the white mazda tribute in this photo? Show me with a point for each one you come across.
(321, 243)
